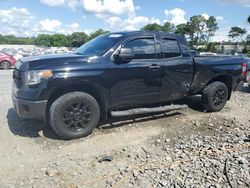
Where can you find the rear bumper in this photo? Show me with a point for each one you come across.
(29, 109)
(239, 86)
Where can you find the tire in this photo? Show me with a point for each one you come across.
(5, 65)
(74, 115)
(215, 97)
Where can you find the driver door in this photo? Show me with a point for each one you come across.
(138, 81)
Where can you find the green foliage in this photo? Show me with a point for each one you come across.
(97, 33)
(166, 27)
(239, 33)
(43, 40)
(10, 39)
(211, 27)
(79, 38)
(182, 29)
(152, 27)
(213, 47)
(56, 40)
(59, 40)
(248, 40)
(200, 29)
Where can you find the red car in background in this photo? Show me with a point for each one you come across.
(6, 61)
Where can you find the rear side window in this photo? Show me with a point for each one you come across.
(170, 48)
(143, 48)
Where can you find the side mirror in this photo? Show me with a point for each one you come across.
(125, 55)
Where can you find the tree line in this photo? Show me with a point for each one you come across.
(56, 40)
(198, 30)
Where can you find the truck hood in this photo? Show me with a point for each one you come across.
(52, 61)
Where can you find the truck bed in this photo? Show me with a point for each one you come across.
(211, 67)
(221, 60)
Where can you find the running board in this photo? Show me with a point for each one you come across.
(140, 111)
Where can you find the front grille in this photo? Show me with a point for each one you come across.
(18, 78)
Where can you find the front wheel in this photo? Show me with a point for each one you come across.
(5, 65)
(74, 115)
(215, 96)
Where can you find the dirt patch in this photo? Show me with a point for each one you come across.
(179, 149)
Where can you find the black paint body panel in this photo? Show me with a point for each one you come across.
(135, 83)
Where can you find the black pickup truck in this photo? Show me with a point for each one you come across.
(119, 74)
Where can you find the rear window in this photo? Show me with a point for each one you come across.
(170, 48)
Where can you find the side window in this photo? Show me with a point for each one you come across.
(170, 48)
(143, 48)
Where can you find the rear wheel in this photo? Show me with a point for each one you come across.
(215, 96)
(74, 115)
(5, 65)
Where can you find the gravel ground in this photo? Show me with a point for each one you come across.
(185, 148)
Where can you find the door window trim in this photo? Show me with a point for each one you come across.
(173, 39)
(134, 38)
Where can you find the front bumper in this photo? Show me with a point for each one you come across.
(29, 109)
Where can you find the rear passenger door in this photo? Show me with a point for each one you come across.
(177, 71)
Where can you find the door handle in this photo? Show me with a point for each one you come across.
(155, 67)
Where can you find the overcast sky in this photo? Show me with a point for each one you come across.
(31, 17)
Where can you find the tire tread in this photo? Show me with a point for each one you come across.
(209, 92)
(55, 110)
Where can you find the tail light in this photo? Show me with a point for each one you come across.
(244, 70)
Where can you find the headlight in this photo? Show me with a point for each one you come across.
(35, 77)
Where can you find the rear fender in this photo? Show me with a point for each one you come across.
(226, 79)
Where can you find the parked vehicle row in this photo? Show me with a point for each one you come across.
(21, 52)
(119, 74)
(8, 56)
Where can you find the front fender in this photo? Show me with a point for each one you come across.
(61, 85)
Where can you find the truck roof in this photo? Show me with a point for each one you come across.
(165, 34)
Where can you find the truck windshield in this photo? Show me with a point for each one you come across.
(99, 46)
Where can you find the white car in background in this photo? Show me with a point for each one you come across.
(208, 54)
(18, 56)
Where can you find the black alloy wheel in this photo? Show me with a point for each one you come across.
(215, 96)
(74, 115)
(219, 97)
(77, 116)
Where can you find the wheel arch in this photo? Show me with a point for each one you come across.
(91, 89)
(226, 79)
